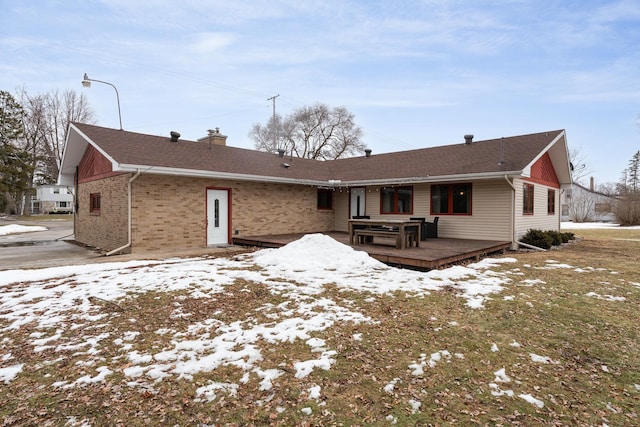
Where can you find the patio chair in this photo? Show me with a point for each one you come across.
(423, 226)
(432, 228)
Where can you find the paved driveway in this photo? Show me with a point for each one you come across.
(53, 248)
(39, 249)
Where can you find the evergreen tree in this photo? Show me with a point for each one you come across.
(15, 165)
(627, 207)
(633, 173)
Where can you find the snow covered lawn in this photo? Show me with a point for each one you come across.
(17, 228)
(270, 334)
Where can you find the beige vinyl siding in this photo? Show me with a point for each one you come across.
(540, 219)
(341, 200)
(490, 220)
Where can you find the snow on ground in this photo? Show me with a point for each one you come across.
(591, 225)
(57, 301)
(16, 228)
(61, 307)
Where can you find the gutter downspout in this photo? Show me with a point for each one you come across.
(526, 245)
(512, 219)
(129, 216)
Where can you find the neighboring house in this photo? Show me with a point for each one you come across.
(582, 204)
(52, 198)
(139, 192)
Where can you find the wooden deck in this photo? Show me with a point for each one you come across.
(432, 253)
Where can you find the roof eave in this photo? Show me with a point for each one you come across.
(74, 148)
(197, 173)
(559, 158)
(431, 179)
(328, 183)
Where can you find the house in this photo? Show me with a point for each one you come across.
(138, 192)
(582, 204)
(51, 198)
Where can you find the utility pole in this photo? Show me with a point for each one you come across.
(276, 133)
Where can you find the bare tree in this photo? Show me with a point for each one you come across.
(582, 206)
(579, 168)
(273, 136)
(47, 118)
(609, 189)
(312, 132)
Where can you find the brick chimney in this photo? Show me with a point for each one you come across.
(214, 137)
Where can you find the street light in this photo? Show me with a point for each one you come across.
(86, 82)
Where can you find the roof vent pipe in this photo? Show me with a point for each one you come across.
(174, 136)
(468, 139)
(367, 152)
(280, 152)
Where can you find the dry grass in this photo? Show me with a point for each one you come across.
(608, 233)
(594, 345)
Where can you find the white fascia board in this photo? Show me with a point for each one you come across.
(563, 171)
(213, 174)
(97, 147)
(330, 183)
(74, 149)
(544, 151)
(432, 179)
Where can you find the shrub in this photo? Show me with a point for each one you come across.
(537, 238)
(627, 210)
(567, 236)
(556, 237)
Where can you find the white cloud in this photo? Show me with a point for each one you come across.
(209, 42)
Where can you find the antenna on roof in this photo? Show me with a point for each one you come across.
(276, 135)
(501, 162)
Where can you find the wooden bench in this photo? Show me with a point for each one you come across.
(410, 236)
(361, 234)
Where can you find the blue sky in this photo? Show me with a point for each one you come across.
(415, 73)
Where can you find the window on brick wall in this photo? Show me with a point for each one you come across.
(94, 207)
(325, 199)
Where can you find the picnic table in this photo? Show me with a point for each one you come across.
(405, 232)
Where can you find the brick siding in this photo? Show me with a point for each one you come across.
(107, 230)
(170, 211)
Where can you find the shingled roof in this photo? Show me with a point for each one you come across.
(130, 151)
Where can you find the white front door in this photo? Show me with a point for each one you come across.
(357, 202)
(217, 217)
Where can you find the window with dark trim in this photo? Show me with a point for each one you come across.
(551, 202)
(527, 199)
(94, 206)
(396, 200)
(451, 199)
(325, 199)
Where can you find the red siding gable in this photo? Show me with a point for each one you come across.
(94, 166)
(542, 172)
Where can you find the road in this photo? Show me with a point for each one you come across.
(39, 249)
